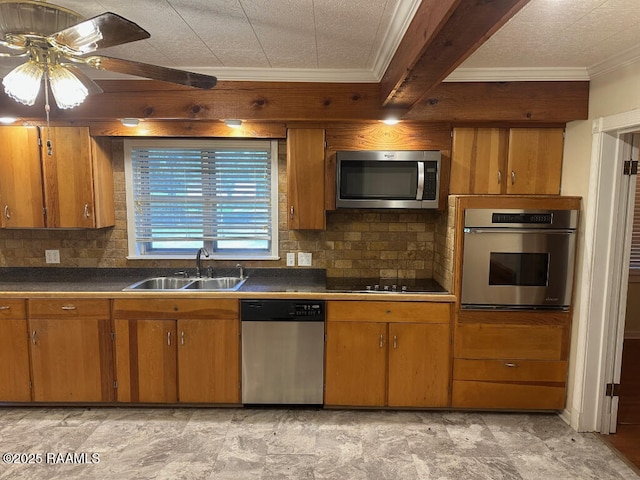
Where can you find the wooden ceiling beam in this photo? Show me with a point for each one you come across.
(455, 31)
(317, 102)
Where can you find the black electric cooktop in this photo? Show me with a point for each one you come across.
(386, 285)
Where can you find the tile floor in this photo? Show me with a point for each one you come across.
(245, 444)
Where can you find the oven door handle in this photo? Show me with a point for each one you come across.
(420, 190)
(545, 231)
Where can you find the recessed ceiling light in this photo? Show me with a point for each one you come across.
(233, 123)
(8, 120)
(130, 122)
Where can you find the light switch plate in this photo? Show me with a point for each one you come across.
(304, 259)
(52, 256)
(291, 259)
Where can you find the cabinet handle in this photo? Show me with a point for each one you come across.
(513, 177)
(68, 307)
(86, 210)
(7, 213)
(381, 341)
(34, 334)
(395, 342)
(499, 177)
(169, 338)
(511, 365)
(291, 212)
(5, 307)
(182, 338)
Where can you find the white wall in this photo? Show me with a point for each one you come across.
(613, 93)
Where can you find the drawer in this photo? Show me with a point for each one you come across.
(510, 370)
(530, 342)
(12, 309)
(365, 311)
(69, 308)
(171, 308)
(507, 396)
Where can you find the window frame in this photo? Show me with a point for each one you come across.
(135, 253)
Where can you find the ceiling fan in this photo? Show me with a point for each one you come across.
(53, 40)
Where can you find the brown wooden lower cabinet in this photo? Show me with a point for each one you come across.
(71, 350)
(404, 362)
(510, 360)
(195, 359)
(14, 352)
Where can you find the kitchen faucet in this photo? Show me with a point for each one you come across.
(198, 261)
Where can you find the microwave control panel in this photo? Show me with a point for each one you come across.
(430, 181)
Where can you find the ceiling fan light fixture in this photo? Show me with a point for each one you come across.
(68, 90)
(23, 82)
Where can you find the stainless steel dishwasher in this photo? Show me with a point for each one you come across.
(282, 351)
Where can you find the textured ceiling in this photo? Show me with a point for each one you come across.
(354, 40)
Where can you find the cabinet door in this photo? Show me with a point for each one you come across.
(68, 177)
(209, 361)
(535, 160)
(305, 179)
(14, 352)
(154, 363)
(478, 160)
(419, 365)
(21, 201)
(72, 360)
(356, 363)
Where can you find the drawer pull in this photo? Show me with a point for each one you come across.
(5, 307)
(34, 334)
(395, 342)
(169, 338)
(511, 365)
(68, 307)
(381, 341)
(182, 338)
(7, 213)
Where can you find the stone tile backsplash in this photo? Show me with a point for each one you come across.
(369, 243)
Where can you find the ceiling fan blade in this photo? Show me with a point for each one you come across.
(106, 30)
(152, 72)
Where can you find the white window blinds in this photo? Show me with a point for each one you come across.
(214, 194)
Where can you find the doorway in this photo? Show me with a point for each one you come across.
(625, 432)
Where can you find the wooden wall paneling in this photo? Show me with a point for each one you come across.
(530, 102)
(180, 128)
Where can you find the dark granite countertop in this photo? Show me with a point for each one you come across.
(110, 282)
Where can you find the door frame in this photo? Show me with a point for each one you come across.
(598, 318)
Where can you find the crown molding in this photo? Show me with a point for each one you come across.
(402, 17)
(517, 74)
(623, 59)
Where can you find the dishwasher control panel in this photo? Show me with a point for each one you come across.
(269, 310)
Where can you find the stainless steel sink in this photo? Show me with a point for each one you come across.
(218, 283)
(160, 283)
(188, 283)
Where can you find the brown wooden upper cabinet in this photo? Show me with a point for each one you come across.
(305, 179)
(506, 161)
(57, 177)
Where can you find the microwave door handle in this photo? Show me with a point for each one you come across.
(420, 191)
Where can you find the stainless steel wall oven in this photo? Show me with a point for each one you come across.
(518, 259)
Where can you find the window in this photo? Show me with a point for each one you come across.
(186, 194)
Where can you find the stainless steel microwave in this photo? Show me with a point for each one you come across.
(388, 179)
